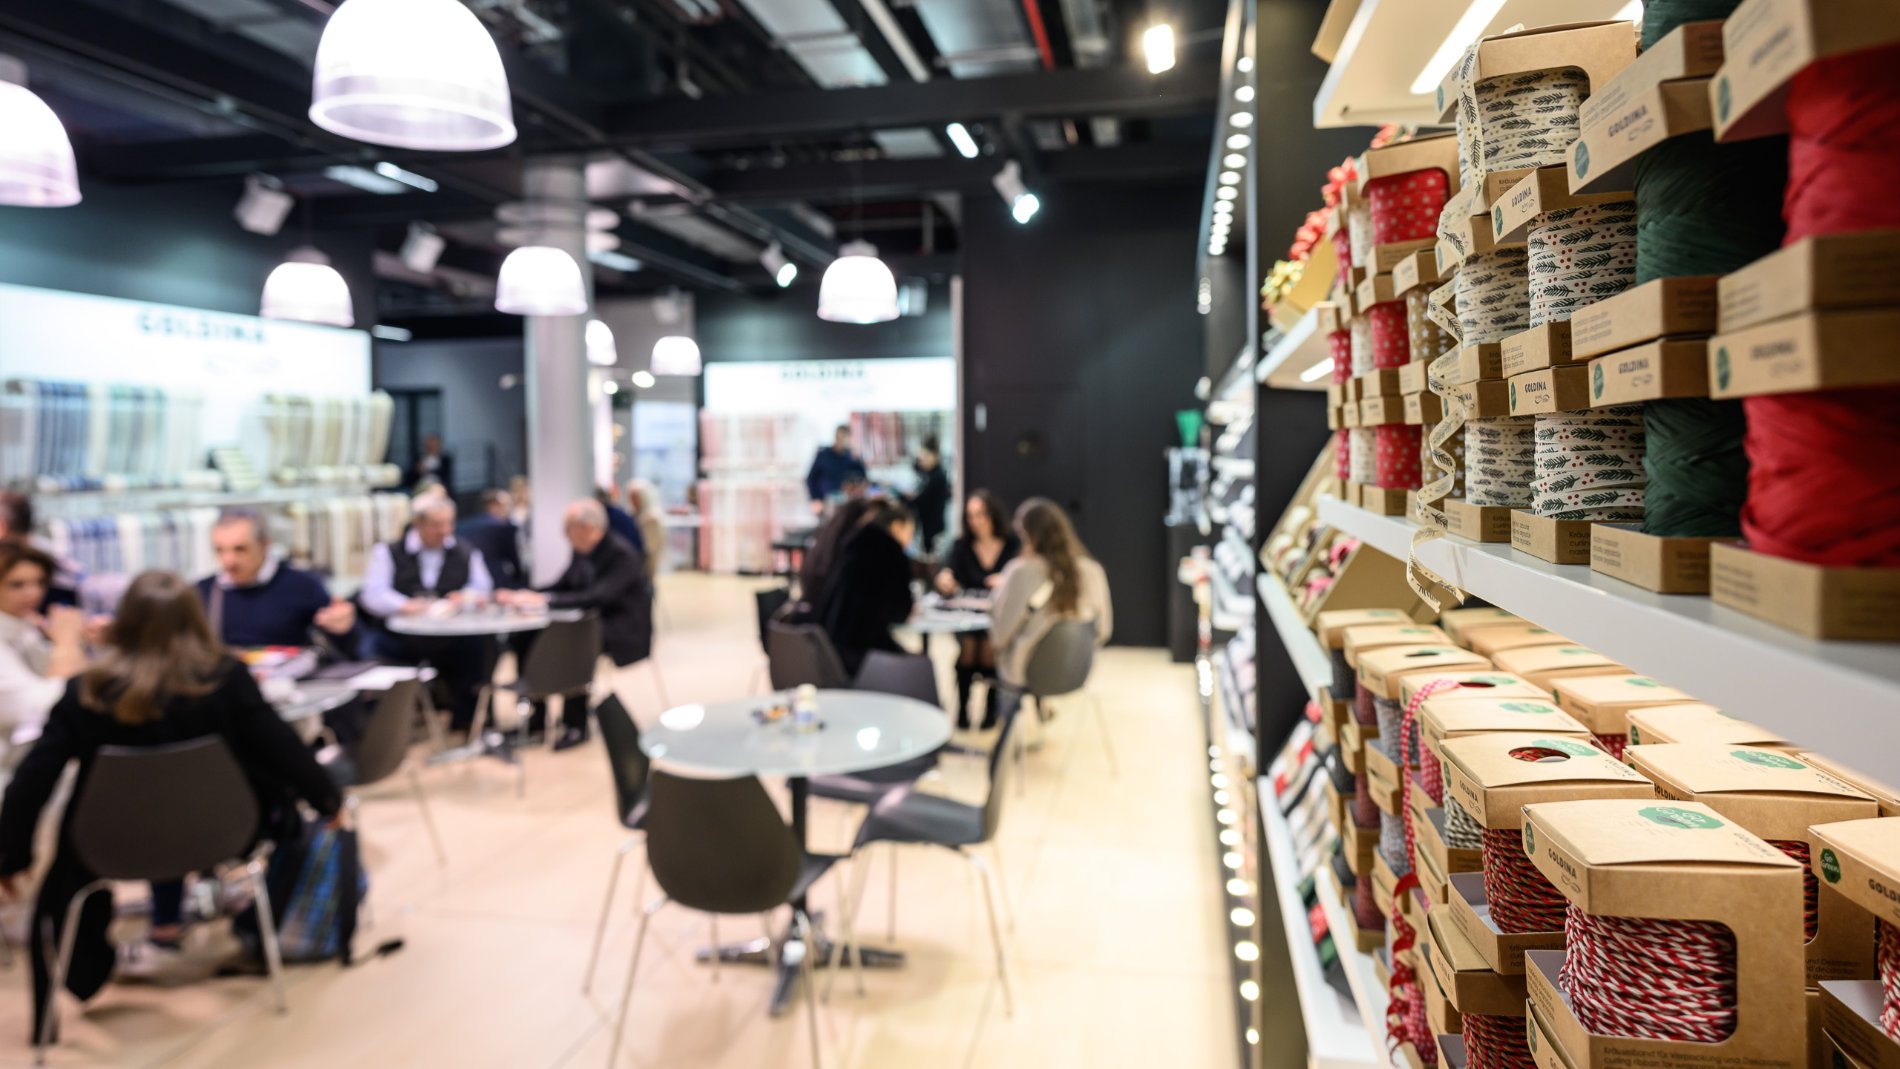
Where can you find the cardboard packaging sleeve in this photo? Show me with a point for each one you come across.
(1664, 565)
(1565, 388)
(1544, 665)
(1600, 49)
(1551, 539)
(1812, 599)
(1470, 984)
(1697, 722)
(1664, 860)
(1668, 367)
(1827, 272)
(1661, 308)
(1479, 523)
(1485, 775)
(1331, 624)
(1887, 796)
(1362, 638)
(1536, 349)
(1811, 351)
(1469, 684)
(1663, 94)
(1383, 670)
(1441, 719)
(1603, 703)
(1491, 640)
(1547, 189)
(1457, 621)
(1767, 42)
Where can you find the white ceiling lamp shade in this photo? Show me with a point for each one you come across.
(858, 287)
(417, 74)
(305, 288)
(600, 344)
(540, 280)
(36, 157)
(676, 354)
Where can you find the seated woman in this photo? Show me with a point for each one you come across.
(869, 589)
(37, 655)
(162, 678)
(976, 565)
(1054, 579)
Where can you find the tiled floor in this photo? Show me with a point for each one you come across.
(1117, 958)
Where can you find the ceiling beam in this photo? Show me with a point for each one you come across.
(886, 178)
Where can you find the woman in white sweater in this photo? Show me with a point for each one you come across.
(37, 654)
(1054, 579)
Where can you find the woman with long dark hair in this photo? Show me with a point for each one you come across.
(869, 589)
(1054, 579)
(976, 564)
(162, 678)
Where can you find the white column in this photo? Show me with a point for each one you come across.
(560, 419)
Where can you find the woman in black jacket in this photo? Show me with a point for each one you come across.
(975, 567)
(162, 679)
(869, 589)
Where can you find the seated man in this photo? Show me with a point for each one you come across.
(257, 600)
(608, 577)
(406, 577)
(492, 533)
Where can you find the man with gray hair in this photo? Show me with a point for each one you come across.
(606, 576)
(429, 565)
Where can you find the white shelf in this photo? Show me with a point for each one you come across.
(1233, 720)
(1840, 698)
(1237, 467)
(1368, 994)
(1337, 1036)
(1309, 659)
(1389, 43)
(1296, 352)
(1230, 609)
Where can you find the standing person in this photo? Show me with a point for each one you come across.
(834, 467)
(869, 590)
(492, 533)
(976, 564)
(163, 678)
(408, 576)
(605, 576)
(643, 500)
(931, 500)
(37, 654)
(256, 600)
(1054, 579)
(433, 464)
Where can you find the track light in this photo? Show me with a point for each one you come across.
(263, 206)
(781, 268)
(1158, 43)
(960, 137)
(422, 248)
(1023, 204)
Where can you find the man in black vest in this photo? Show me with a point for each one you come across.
(407, 576)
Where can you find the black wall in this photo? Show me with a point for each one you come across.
(478, 413)
(1081, 341)
(785, 326)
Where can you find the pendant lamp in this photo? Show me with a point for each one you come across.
(305, 288)
(540, 280)
(36, 159)
(419, 74)
(600, 344)
(858, 287)
(676, 354)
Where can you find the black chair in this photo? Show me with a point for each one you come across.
(161, 813)
(1059, 666)
(560, 663)
(620, 737)
(770, 602)
(802, 653)
(383, 751)
(910, 817)
(719, 846)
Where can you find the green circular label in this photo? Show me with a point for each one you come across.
(1575, 651)
(1830, 865)
(1530, 842)
(1497, 222)
(1724, 98)
(1441, 99)
(1492, 681)
(1766, 759)
(1569, 746)
(1670, 816)
(1526, 707)
(1635, 740)
(1596, 379)
(1642, 681)
(1513, 393)
(1582, 164)
(1721, 367)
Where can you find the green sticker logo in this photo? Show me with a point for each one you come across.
(1525, 707)
(1635, 740)
(1491, 681)
(1575, 651)
(1765, 759)
(1642, 681)
(1596, 380)
(1513, 394)
(1724, 98)
(1721, 368)
(1830, 865)
(1582, 163)
(1497, 221)
(1569, 746)
(1441, 98)
(1530, 842)
(1670, 816)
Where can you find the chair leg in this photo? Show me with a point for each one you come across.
(1108, 741)
(712, 919)
(68, 938)
(633, 970)
(803, 924)
(891, 906)
(1022, 750)
(848, 924)
(996, 934)
(600, 930)
(267, 927)
(428, 817)
(1002, 885)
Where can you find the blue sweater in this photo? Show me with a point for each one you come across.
(280, 612)
(830, 469)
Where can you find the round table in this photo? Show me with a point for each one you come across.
(931, 620)
(857, 730)
(314, 697)
(478, 622)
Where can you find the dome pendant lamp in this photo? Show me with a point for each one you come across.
(305, 288)
(675, 354)
(540, 280)
(858, 287)
(601, 351)
(36, 158)
(417, 74)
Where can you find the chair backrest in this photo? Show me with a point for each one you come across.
(386, 737)
(903, 674)
(803, 653)
(719, 845)
(562, 659)
(1061, 661)
(157, 813)
(1009, 704)
(630, 765)
(770, 601)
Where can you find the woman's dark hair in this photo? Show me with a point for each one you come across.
(992, 506)
(159, 647)
(1046, 530)
(885, 512)
(17, 551)
(16, 511)
(823, 551)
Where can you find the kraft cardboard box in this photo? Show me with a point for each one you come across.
(1664, 565)
(1655, 859)
(1663, 94)
(1777, 797)
(1382, 781)
(1479, 523)
(1418, 269)
(1473, 236)
(1491, 640)
(1432, 152)
(1483, 361)
(1432, 845)
(1469, 983)
(1827, 272)
(1359, 844)
(1383, 500)
(1359, 639)
(1414, 377)
(1544, 665)
(1886, 795)
(1379, 382)
(1423, 408)
(1667, 367)
(1378, 411)
(1547, 189)
(1600, 49)
(1850, 1017)
(1475, 684)
(1661, 308)
(1330, 626)
(1603, 703)
(1383, 882)
(1439, 1011)
(1535, 349)
(1383, 670)
(1818, 601)
(1553, 540)
(1376, 289)
(1698, 722)
(1458, 621)
(1431, 878)
(1452, 718)
(1767, 42)
(1494, 777)
(1806, 352)
(1355, 740)
(1554, 389)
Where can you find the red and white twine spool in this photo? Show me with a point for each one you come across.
(1650, 979)
(1493, 1042)
(1810, 887)
(1521, 899)
(1405, 1010)
(1888, 960)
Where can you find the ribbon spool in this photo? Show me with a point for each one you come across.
(1344, 681)
(1425, 340)
(1361, 330)
(1365, 908)
(1493, 296)
(1528, 120)
(1810, 887)
(1589, 466)
(1362, 708)
(1365, 812)
(1887, 959)
(1359, 224)
(1405, 207)
(1462, 830)
(1493, 1042)
(1398, 455)
(1392, 843)
(1339, 344)
(1342, 245)
(1389, 335)
(1650, 979)
(1579, 256)
(1365, 448)
(1521, 899)
(1342, 454)
(1500, 461)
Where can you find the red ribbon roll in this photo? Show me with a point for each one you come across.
(1340, 343)
(1406, 207)
(1398, 463)
(1391, 336)
(1342, 454)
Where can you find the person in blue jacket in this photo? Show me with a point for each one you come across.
(833, 467)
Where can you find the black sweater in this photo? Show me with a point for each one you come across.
(967, 568)
(868, 594)
(612, 581)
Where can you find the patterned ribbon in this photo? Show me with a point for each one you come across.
(1493, 296)
(1405, 207)
(1365, 449)
(1398, 455)
(1500, 459)
(1579, 256)
(1589, 466)
(1361, 345)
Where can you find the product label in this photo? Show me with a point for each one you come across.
(1766, 760)
(1830, 865)
(1686, 819)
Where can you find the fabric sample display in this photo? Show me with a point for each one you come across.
(1494, 299)
(1500, 461)
(1391, 342)
(1365, 450)
(1405, 207)
(1579, 256)
(1590, 465)
(1398, 455)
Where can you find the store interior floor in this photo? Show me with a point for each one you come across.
(1118, 955)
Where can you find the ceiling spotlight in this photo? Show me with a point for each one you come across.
(1230, 178)
(782, 269)
(960, 137)
(307, 289)
(36, 156)
(422, 248)
(1243, 93)
(1233, 159)
(406, 177)
(610, 387)
(1240, 118)
(644, 379)
(1158, 43)
(1223, 207)
(1238, 141)
(261, 209)
(1245, 65)
(372, 82)
(389, 333)
(1009, 185)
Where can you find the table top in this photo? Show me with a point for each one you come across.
(314, 697)
(935, 621)
(479, 622)
(859, 730)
